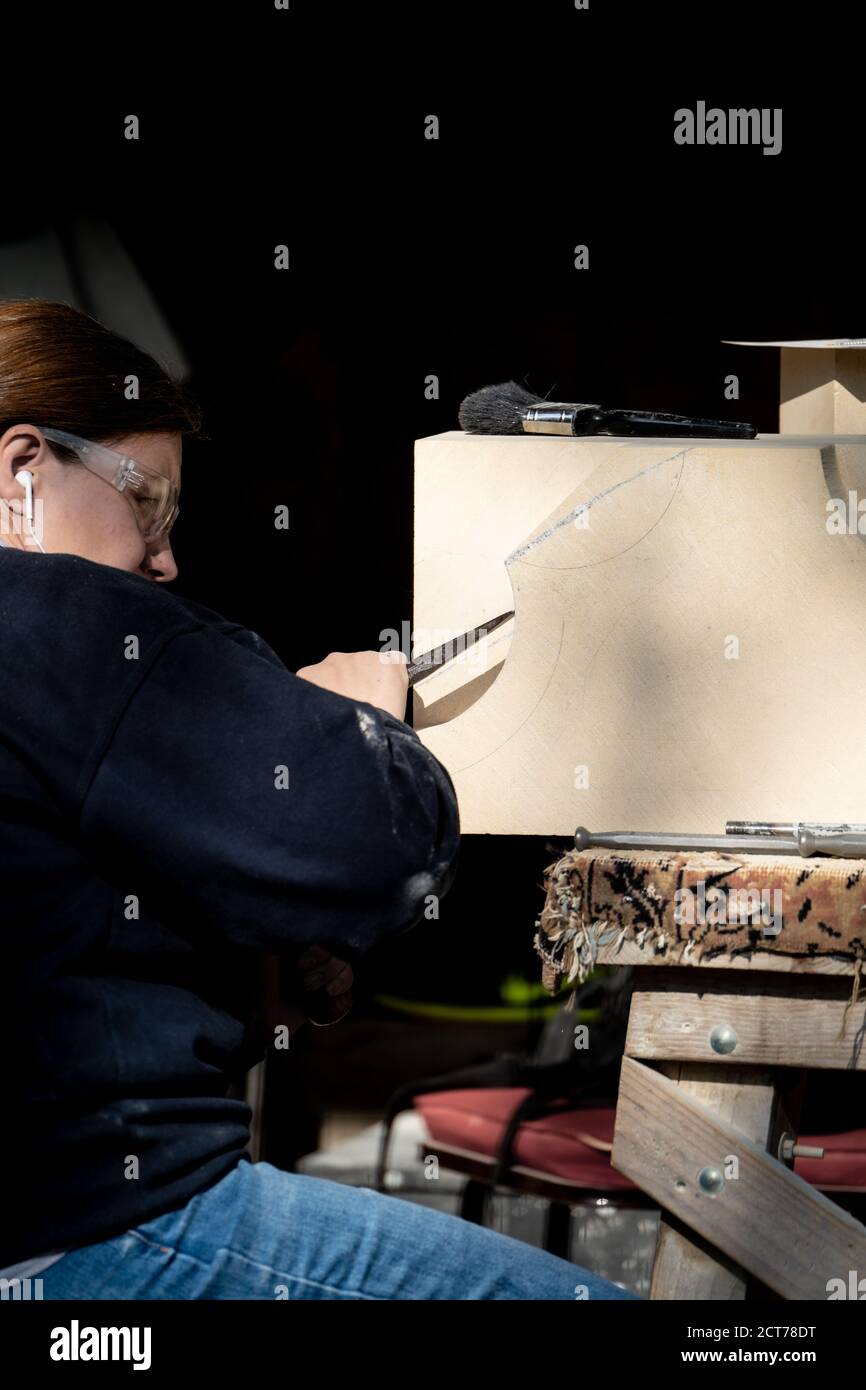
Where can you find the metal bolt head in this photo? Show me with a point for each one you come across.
(723, 1038)
(711, 1180)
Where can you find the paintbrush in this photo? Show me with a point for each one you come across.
(510, 409)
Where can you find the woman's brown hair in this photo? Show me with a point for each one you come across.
(61, 369)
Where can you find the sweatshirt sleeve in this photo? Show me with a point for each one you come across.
(250, 805)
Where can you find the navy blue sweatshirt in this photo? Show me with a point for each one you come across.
(151, 857)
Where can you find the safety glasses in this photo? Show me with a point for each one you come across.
(153, 498)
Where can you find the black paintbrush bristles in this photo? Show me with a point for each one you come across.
(495, 409)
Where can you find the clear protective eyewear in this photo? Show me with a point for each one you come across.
(153, 498)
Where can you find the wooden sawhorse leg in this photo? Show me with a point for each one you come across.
(704, 1099)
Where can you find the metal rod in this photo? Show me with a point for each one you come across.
(792, 828)
(805, 843)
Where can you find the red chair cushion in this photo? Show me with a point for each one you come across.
(476, 1120)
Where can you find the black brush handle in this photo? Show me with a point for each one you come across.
(656, 422)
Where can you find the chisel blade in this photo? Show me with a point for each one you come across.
(431, 661)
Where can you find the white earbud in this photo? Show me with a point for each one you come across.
(25, 478)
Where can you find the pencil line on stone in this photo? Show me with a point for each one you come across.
(585, 506)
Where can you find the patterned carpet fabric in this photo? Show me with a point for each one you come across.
(691, 907)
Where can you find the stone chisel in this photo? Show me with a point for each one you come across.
(789, 829)
(431, 661)
(805, 843)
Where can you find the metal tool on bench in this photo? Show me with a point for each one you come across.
(784, 829)
(431, 661)
(806, 841)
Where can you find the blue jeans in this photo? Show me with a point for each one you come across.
(263, 1233)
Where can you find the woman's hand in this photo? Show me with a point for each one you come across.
(324, 994)
(374, 678)
(329, 978)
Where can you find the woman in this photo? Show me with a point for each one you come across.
(177, 809)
